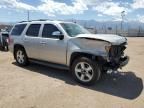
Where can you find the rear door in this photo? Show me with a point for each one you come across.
(31, 41)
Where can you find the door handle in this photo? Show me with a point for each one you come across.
(26, 40)
(43, 43)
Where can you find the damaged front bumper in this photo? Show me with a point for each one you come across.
(115, 64)
(124, 61)
(117, 58)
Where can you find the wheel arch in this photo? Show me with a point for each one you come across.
(76, 55)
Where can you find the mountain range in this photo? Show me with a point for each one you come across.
(100, 24)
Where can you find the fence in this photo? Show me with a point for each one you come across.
(129, 32)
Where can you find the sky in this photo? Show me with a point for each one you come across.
(99, 10)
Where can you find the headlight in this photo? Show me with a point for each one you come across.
(107, 48)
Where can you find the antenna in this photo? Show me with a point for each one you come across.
(28, 14)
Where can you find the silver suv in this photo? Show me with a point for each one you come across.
(69, 46)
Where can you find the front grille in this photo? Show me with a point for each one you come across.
(117, 50)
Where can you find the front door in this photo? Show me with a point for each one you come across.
(52, 48)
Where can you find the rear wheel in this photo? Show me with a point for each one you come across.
(86, 71)
(21, 57)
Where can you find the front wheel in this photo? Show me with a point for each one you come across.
(86, 71)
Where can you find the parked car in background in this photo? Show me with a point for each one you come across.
(4, 39)
(68, 45)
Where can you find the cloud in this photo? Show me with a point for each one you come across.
(110, 8)
(117, 19)
(15, 4)
(100, 15)
(93, 2)
(137, 4)
(140, 18)
(52, 7)
(106, 7)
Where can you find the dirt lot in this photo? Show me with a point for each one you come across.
(38, 86)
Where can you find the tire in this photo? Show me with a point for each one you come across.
(3, 48)
(7, 48)
(21, 57)
(86, 71)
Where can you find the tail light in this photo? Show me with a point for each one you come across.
(9, 40)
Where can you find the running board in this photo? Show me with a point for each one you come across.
(45, 63)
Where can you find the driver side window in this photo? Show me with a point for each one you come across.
(48, 31)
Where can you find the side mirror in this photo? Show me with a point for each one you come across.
(58, 34)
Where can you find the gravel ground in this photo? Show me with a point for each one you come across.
(38, 86)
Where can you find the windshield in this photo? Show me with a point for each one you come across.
(73, 29)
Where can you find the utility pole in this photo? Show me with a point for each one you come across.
(85, 24)
(122, 19)
(116, 29)
(139, 31)
(28, 15)
(95, 30)
(128, 30)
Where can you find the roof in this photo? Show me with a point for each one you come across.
(43, 21)
(4, 32)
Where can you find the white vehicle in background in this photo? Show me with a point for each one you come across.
(69, 46)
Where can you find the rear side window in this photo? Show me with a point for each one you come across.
(5, 35)
(18, 29)
(33, 30)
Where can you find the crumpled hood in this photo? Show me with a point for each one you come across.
(113, 39)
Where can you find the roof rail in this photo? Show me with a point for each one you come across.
(22, 21)
(36, 20)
